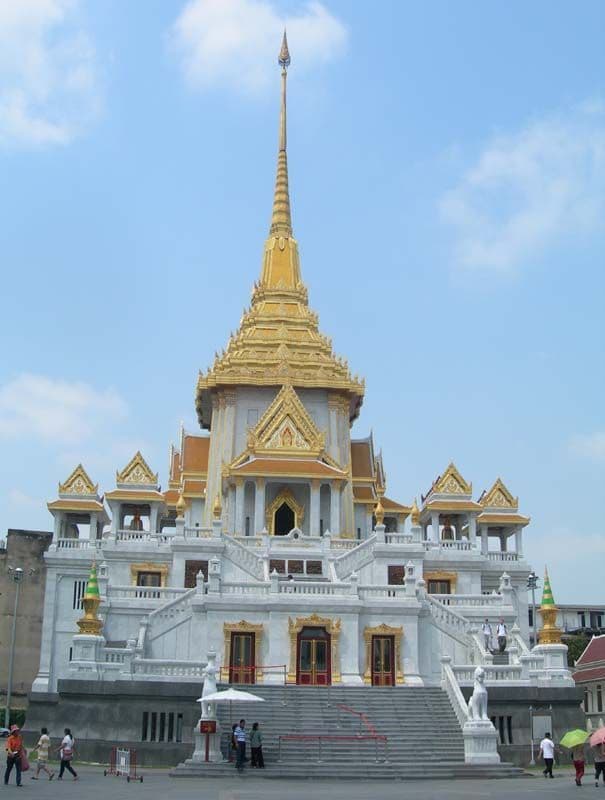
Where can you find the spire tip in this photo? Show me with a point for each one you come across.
(284, 54)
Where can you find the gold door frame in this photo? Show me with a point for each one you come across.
(332, 627)
(241, 627)
(441, 575)
(284, 496)
(383, 630)
(149, 566)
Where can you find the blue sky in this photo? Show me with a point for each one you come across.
(447, 164)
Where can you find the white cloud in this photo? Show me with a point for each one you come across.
(21, 500)
(589, 445)
(529, 189)
(235, 43)
(38, 407)
(48, 85)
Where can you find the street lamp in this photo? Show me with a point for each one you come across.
(532, 584)
(17, 574)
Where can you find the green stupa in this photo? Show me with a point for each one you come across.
(547, 598)
(92, 585)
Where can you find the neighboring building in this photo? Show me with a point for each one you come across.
(589, 675)
(276, 546)
(576, 620)
(23, 549)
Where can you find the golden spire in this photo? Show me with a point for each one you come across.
(181, 506)
(90, 624)
(415, 513)
(281, 220)
(549, 633)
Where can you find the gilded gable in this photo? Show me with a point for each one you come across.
(286, 427)
(499, 497)
(79, 483)
(452, 482)
(137, 472)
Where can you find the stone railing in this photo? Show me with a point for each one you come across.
(116, 655)
(314, 587)
(497, 556)
(398, 538)
(243, 557)
(452, 688)
(448, 620)
(249, 541)
(77, 544)
(162, 593)
(168, 668)
(447, 544)
(343, 544)
(197, 533)
(355, 559)
(494, 673)
(382, 592)
(242, 587)
(490, 600)
(169, 615)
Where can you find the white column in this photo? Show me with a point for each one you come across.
(472, 530)
(484, 539)
(314, 511)
(335, 509)
(92, 528)
(400, 523)
(58, 527)
(519, 541)
(259, 506)
(153, 519)
(503, 543)
(239, 507)
(435, 526)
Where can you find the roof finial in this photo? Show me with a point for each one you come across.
(281, 221)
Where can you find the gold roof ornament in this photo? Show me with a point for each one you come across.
(549, 633)
(451, 482)
(379, 512)
(278, 341)
(415, 513)
(79, 483)
(181, 506)
(216, 508)
(499, 497)
(137, 472)
(90, 623)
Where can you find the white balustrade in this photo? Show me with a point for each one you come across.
(447, 544)
(162, 593)
(168, 668)
(249, 541)
(115, 655)
(496, 556)
(355, 559)
(490, 600)
(381, 592)
(398, 538)
(244, 557)
(77, 544)
(451, 686)
(242, 587)
(314, 587)
(197, 533)
(170, 614)
(494, 673)
(343, 544)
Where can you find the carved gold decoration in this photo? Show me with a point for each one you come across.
(286, 428)
(241, 627)
(379, 512)
(415, 514)
(149, 566)
(499, 497)
(216, 508)
(314, 621)
(452, 482)
(137, 471)
(181, 506)
(79, 483)
(284, 496)
(383, 630)
(441, 575)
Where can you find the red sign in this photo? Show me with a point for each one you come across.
(208, 726)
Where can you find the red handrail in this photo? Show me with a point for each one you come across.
(362, 717)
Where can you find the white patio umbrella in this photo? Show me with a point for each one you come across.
(231, 696)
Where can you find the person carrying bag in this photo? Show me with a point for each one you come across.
(14, 755)
(66, 752)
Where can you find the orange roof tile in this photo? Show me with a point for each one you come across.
(392, 505)
(361, 460)
(595, 651)
(192, 487)
(502, 519)
(288, 467)
(135, 495)
(588, 675)
(75, 505)
(453, 505)
(194, 457)
(364, 494)
(171, 497)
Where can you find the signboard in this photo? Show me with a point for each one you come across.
(208, 726)
(541, 724)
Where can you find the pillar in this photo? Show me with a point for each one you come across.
(435, 526)
(503, 543)
(314, 511)
(239, 507)
(484, 539)
(335, 509)
(153, 519)
(519, 541)
(472, 530)
(259, 506)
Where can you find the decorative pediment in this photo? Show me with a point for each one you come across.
(452, 482)
(499, 497)
(137, 472)
(79, 483)
(286, 428)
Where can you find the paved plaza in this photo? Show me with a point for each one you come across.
(158, 785)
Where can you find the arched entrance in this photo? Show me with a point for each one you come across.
(313, 657)
(285, 520)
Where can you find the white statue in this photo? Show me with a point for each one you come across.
(208, 709)
(477, 704)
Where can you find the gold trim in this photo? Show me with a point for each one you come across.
(286, 428)
(241, 627)
(314, 621)
(452, 482)
(383, 630)
(149, 566)
(499, 497)
(284, 496)
(137, 471)
(80, 483)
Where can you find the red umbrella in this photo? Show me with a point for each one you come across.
(598, 737)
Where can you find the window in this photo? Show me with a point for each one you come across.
(149, 579)
(599, 697)
(278, 565)
(439, 587)
(586, 701)
(159, 726)
(314, 568)
(321, 527)
(71, 653)
(396, 574)
(78, 594)
(596, 619)
(531, 617)
(581, 619)
(359, 533)
(247, 526)
(504, 726)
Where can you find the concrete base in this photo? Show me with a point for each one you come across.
(480, 743)
(214, 746)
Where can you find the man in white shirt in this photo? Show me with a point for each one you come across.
(501, 633)
(240, 738)
(486, 629)
(547, 751)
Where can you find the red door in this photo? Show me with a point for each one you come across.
(314, 662)
(241, 666)
(383, 661)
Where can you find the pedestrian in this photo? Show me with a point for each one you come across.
(579, 759)
(487, 635)
(501, 633)
(233, 744)
(256, 746)
(599, 762)
(66, 753)
(43, 747)
(547, 751)
(14, 751)
(240, 738)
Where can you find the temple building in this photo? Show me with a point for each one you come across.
(276, 543)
